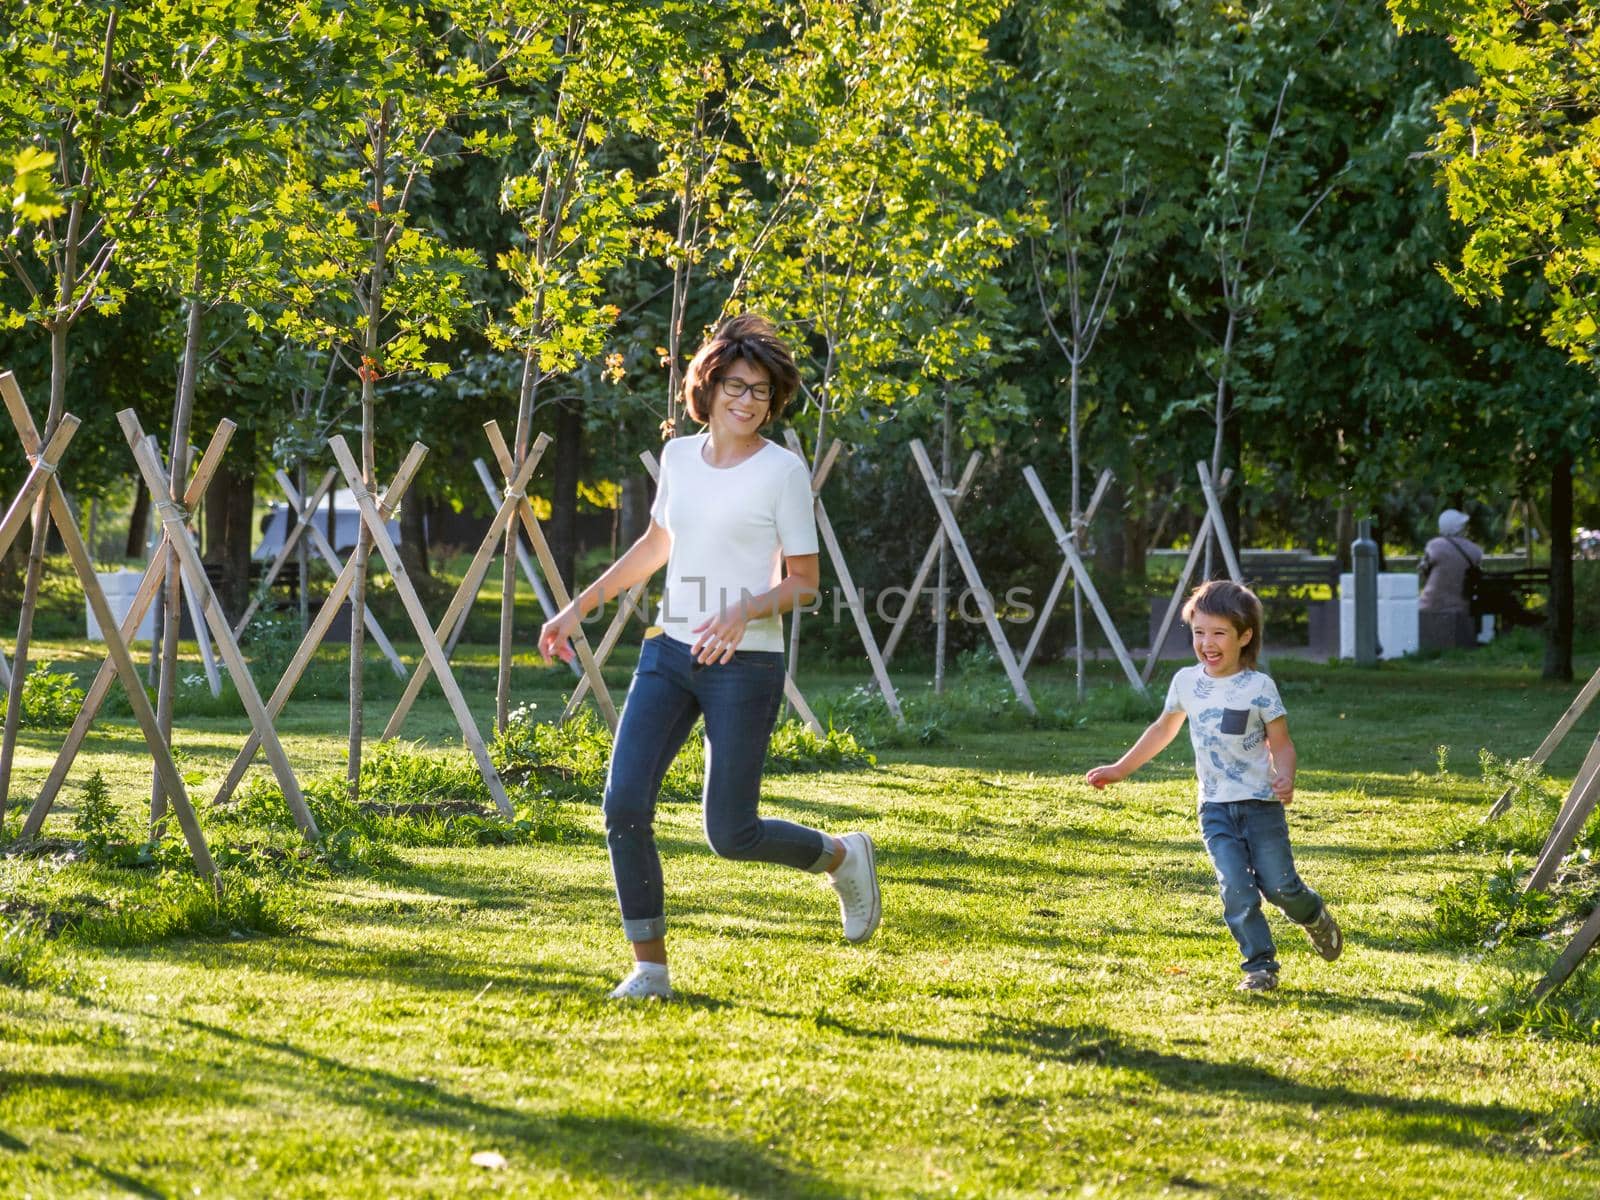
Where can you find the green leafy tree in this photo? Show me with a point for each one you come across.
(1519, 152)
(1518, 149)
(364, 280)
(110, 92)
(863, 131)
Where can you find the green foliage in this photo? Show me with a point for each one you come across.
(180, 903)
(795, 749)
(1518, 153)
(97, 816)
(31, 193)
(1486, 908)
(27, 957)
(50, 699)
(410, 796)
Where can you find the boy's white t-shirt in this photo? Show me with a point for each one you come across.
(731, 528)
(1228, 728)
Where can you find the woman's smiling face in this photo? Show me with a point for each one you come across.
(740, 416)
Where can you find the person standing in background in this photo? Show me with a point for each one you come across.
(1451, 566)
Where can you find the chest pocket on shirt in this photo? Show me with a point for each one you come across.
(1235, 721)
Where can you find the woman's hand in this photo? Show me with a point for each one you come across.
(555, 639)
(719, 637)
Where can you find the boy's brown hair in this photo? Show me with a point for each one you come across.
(1234, 603)
(755, 340)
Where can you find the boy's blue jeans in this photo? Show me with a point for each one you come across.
(739, 701)
(1248, 841)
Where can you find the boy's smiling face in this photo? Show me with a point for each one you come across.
(1217, 644)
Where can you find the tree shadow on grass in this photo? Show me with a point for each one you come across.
(633, 1153)
(1407, 1119)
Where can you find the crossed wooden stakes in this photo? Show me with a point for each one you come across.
(1075, 565)
(847, 584)
(1580, 802)
(316, 632)
(1066, 570)
(44, 459)
(305, 511)
(958, 543)
(524, 560)
(957, 496)
(513, 504)
(1211, 526)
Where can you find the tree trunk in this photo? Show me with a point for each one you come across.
(138, 523)
(941, 596)
(414, 537)
(41, 533)
(378, 135)
(1110, 549)
(1344, 533)
(230, 505)
(1558, 625)
(635, 508)
(1231, 515)
(564, 481)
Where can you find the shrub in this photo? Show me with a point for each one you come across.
(97, 817)
(1486, 908)
(50, 699)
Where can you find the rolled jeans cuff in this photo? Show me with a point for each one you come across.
(829, 846)
(644, 929)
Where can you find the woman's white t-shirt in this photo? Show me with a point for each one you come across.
(731, 528)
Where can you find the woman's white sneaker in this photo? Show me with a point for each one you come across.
(647, 981)
(856, 881)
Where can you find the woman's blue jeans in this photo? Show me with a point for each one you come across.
(739, 701)
(1248, 841)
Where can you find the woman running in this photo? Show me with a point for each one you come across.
(734, 526)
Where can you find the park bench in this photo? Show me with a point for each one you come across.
(1504, 594)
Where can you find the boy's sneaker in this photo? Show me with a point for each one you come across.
(647, 981)
(1258, 981)
(856, 881)
(1325, 935)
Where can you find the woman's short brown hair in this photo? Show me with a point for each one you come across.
(755, 340)
(1235, 603)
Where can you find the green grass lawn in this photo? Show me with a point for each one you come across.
(1048, 1009)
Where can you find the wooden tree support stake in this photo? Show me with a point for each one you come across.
(403, 587)
(317, 631)
(174, 520)
(1554, 738)
(524, 560)
(547, 564)
(455, 614)
(303, 512)
(1575, 811)
(117, 648)
(969, 569)
(1582, 942)
(1060, 581)
(324, 550)
(930, 559)
(1219, 525)
(1068, 545)
(149, 586)
(1200, 538)
(847, 584)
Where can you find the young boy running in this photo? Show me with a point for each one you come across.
(1245, 763)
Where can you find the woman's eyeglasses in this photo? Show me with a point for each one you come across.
(735, 389)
